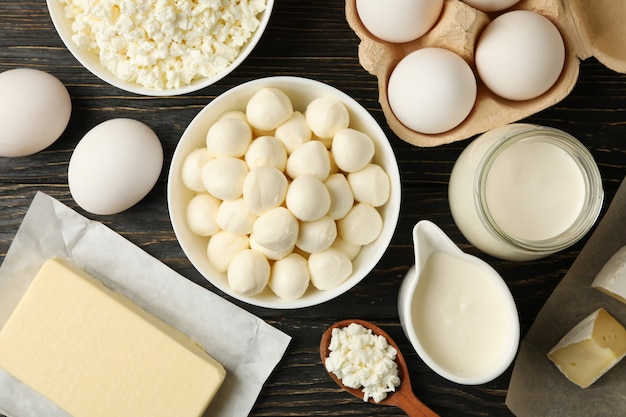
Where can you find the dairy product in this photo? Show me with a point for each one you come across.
(223, 177)
(163, 45)
(317, 235)
(266, 151)
(268, 108)
(352, 149)
(370, 185)
(248, 272)
(280, 189)
(191, 172)
(522, 192)
(276, 230)
(307, 198)
(264, 188)
(590, 349)
(234, 217)
(362, 225)
(460, 317)
(228, 136)
(341, 197)
(294, 132)
(202, 214)
(94, 352)
(612, 277)
(311, 158)
(289, 277)
(326, 115)
(329, 268)
(223, 246)
(361, 359)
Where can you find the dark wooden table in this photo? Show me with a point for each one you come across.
(309, 39)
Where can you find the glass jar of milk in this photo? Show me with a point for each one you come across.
(522, 192)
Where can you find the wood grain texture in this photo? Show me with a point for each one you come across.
(310, 39)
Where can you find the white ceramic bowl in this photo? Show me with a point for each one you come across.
(93, 64)
(301, 91)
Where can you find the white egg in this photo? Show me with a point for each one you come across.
(399, 21)
(491, 5)
(35, 108)
(432, 90)
(520, 55)
(114, 166)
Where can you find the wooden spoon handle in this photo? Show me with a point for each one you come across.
(412, 406)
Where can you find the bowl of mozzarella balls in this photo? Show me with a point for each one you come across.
(284, 192)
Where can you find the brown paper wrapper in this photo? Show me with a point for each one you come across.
(537, 387)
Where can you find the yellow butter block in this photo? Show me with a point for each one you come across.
(590, 349)
(93, 352)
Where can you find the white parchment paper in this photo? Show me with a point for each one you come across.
(538, 388)
(248, 347)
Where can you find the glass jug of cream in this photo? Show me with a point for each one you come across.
(522, 192)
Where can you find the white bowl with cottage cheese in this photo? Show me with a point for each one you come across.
(159, 48)
(289, 217)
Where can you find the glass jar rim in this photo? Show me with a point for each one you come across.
(594, 193)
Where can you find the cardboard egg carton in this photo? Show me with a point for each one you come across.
(589, 28)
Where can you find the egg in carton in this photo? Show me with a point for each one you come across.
(586, 28)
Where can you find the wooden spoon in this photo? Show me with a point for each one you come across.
(403, 397)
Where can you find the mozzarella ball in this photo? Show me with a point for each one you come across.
(341, 197)
(191, 171)
(351, 250)
(202, 213)
(289, 277)
(223, 246)
(228, 136)
(312, 158)
(362, 225)
(248, 273)
(326, 115)
(276, 230)
(294, 132)
(432, 90)
(237, 114)
(399, 21)
(317, 235)
(223, 177)
(352, 149)
(329, 268)
(268, 108)
(234, 217)
(307, 198)
(520, 55)
(264, 188)
(266, 151)
(370, 185)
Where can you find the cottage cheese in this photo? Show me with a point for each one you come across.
(362, 359)
(163, 44)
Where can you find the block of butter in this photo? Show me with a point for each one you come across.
(612, 277)
(590, 349)
(94, 352)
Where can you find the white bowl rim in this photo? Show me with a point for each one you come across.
(93, 64)
(392, 206)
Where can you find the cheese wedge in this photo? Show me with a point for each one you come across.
(93, 352)
(612, 277)
(590, 349)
